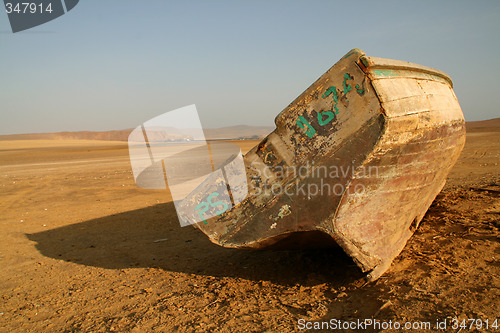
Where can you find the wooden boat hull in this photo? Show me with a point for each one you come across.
(356, 160)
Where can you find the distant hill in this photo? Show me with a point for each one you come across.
(491, 125)
(83, 135)
(231, 132)
(238, 132)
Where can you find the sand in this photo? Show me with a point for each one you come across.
(84, 249)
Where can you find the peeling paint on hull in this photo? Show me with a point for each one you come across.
(374, 138)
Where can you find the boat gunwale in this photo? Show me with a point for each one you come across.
(375, 63)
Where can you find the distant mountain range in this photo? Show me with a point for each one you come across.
(484, 125)
(231, 132)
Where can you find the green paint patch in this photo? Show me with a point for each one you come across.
(329, 117)
(347, 87)
(380, 73)
(325, 117)
(332, 91)
(385, 72)
(350, 53)
(329, 91)
(360, 90)
(304, 124)
(204, 206)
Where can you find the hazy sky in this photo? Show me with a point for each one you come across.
(113, 64)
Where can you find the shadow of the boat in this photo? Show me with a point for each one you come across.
(152, 237)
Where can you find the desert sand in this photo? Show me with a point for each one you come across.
(84, 249)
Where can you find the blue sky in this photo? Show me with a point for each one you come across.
(113, 64)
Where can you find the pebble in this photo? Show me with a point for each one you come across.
(160, 240)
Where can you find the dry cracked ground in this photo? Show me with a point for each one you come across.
(84, 249)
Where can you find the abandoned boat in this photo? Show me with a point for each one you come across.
(356, 160)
